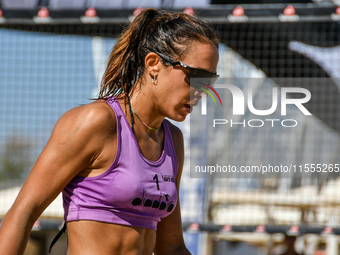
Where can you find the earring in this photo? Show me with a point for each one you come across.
(154, 78)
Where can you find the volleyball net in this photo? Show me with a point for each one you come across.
(50, 66)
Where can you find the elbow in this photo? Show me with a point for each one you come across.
(184, 251)
(181, 250)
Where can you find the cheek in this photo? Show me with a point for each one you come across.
(176, 79)
(174, 91)
(177, 91)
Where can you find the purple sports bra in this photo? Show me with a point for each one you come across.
(134, 191)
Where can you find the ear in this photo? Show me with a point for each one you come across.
(153, 63)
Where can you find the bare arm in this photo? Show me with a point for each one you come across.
(75, 144)
(169, 240)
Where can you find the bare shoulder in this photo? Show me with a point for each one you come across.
(94, 118)
(76, 140)
(83, 133)
(97, 113)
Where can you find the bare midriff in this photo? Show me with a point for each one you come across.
(99, 238)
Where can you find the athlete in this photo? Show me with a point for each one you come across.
(116, 160)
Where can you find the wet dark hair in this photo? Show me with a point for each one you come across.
(151, 30)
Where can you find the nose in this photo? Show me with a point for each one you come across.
(198, 93)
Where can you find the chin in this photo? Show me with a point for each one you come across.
(178, 115)
(179, 118)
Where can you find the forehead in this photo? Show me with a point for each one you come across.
(202, 55)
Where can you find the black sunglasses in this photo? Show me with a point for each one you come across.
(198, 77)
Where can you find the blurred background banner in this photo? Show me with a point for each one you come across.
(52, 57)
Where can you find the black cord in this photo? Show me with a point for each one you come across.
(56, 238)
(131, 115)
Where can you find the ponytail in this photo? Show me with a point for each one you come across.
(151, 30)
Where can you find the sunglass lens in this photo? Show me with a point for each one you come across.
(205, 82)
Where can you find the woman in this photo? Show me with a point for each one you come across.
(116, 160)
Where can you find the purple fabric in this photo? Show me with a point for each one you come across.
(134, 191)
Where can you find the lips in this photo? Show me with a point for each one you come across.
(188, 108)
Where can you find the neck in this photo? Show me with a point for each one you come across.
(146, 125)
(144, 114)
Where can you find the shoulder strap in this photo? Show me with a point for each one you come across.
(56, 238)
